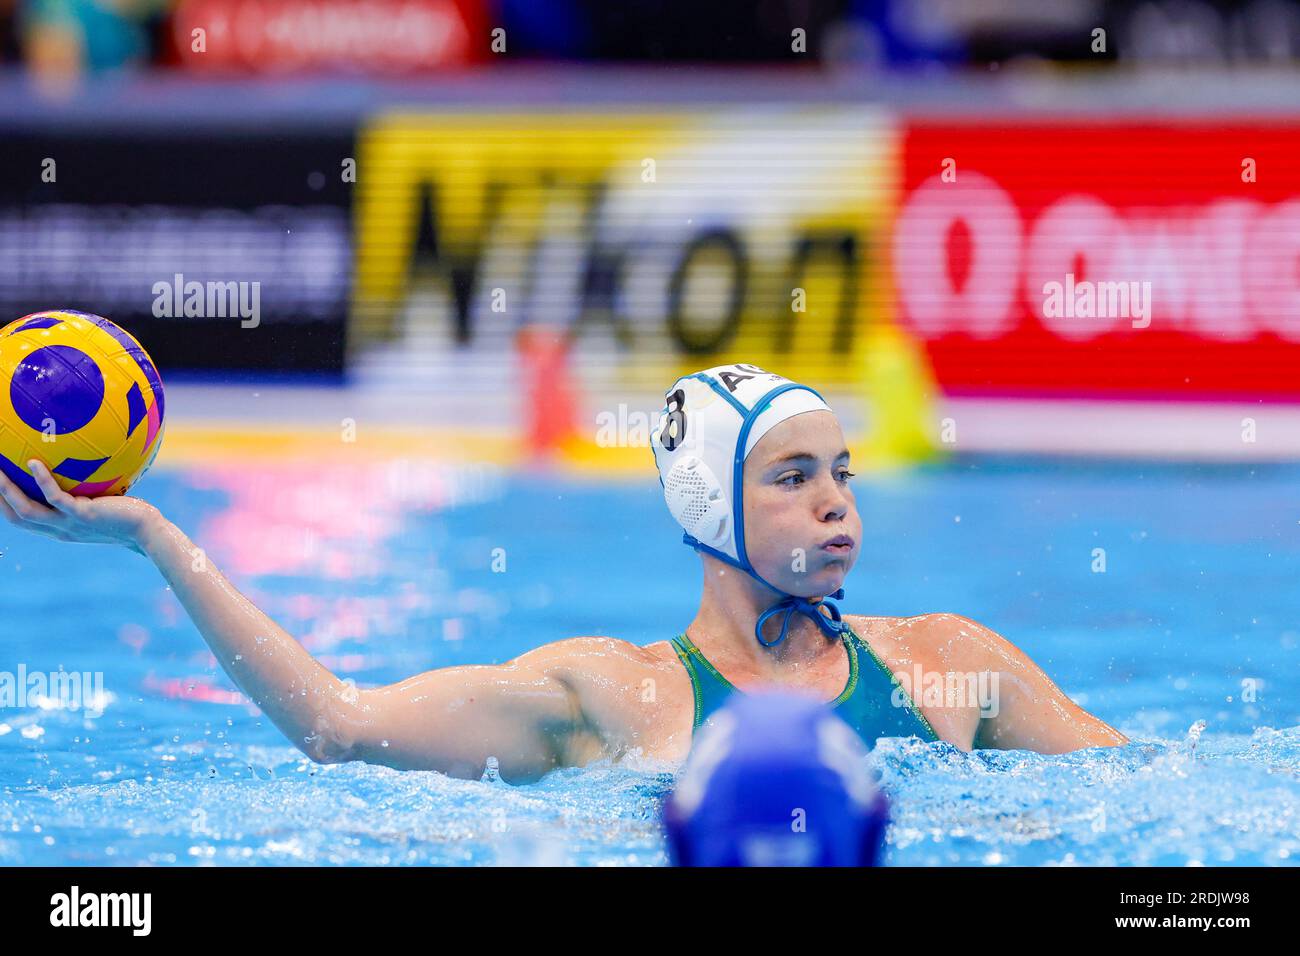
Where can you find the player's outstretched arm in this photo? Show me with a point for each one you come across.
(449, 720)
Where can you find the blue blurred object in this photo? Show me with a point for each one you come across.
(910, 32)
(776, 779)
(561, 29)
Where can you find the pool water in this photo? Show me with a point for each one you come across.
(1188, 642)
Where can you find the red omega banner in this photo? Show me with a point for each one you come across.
(1158, 260)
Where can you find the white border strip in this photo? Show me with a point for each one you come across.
(1178, 430)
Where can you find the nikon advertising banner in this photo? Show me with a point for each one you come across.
(650, 240)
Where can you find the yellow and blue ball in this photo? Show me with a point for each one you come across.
(80, 394)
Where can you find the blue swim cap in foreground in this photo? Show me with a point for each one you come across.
(776, 779)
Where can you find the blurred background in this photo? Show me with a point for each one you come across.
(457, 203)
(61, 38)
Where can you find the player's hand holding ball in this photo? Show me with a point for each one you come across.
(81, 420)
(118, 519)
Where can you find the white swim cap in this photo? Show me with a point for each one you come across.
(711, 422)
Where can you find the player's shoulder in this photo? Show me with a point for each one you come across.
(598, 654)
(614, 680)
(918, 632)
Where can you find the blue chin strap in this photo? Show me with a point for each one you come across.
(831, 626)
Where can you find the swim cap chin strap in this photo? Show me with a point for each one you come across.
(831, 626)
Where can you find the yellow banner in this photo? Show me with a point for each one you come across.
(662, 242)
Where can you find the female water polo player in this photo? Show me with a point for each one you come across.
(755, 470)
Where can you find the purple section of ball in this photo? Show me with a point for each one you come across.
(60, 383)
(78, 469)
(44, 322)
(135, 408)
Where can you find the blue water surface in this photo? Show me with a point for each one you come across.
(1188, 641)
